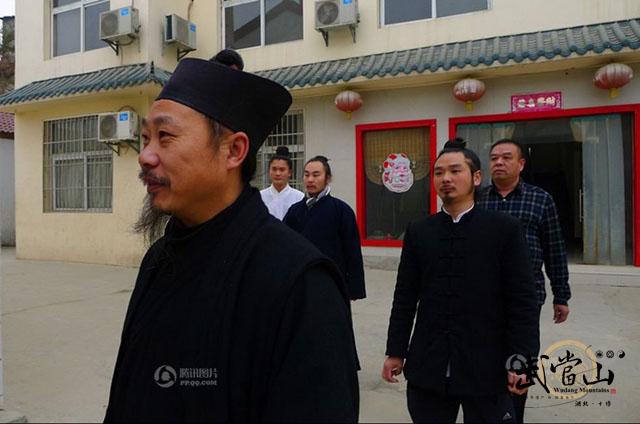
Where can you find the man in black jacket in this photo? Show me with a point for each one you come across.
(234, 317)
(467, 273)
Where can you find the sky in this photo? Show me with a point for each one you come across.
(7, 7)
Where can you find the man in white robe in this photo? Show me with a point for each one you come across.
(279, 196)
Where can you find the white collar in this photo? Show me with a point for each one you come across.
(463, 213)
(275, 192)
(320, 195)
(312, 200)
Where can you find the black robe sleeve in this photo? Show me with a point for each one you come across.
(521, 307)
(353, 254)
(315, 378)
(405, 299)
(290, 217)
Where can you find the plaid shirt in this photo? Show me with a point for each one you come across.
(536, 210)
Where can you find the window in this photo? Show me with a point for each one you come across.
(250, 23)
(396, 11)
(76, 25)
(78, 169)
(289, 132)
(394, 185)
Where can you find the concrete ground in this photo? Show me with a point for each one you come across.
(61, 325)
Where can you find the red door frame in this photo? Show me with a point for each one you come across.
(566, 113)
(360, 176)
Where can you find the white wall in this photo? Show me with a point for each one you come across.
(329, 132)
(505, 17)
(105, 238)
(35, 62)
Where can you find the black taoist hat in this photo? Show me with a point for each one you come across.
(239, 100)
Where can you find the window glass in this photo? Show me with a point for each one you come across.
(92, 26)
(396, 11)
(99, 176)
(242, 25)
(396, 166)
(456, 7)
(283, 21)
(69, 181)
(66, 32)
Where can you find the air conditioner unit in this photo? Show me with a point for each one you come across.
(179, 31)
(117, 126)
(119, 25)
(336, 13)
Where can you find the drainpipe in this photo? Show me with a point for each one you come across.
(189, 11)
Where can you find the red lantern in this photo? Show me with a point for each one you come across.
(468, 90)
(348, 101)
(612, 77)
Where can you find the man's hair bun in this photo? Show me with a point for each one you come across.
(229, 57)
(455, 144)
(283, 151)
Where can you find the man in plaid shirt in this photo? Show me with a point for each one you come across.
(537, 212)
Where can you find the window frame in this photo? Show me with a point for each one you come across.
(263, 21)
(361, 204)
(78, 4)
(84, 155)
(434, 15)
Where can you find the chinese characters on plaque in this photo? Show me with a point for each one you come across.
(536, 102)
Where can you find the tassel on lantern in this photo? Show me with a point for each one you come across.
(469, 90)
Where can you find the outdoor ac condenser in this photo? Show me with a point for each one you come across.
(119, 25)
(336, 13)
(117, 126)
(179, 31)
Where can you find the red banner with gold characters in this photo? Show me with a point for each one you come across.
(536, 102)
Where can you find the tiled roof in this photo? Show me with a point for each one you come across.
(101, 80)
(597, 38)
(6, 122)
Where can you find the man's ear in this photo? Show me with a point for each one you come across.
(477, 178)
(237, 149)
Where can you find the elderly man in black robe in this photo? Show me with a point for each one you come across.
(466, 273)
(234, 317)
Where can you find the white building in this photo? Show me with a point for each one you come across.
(76, 199)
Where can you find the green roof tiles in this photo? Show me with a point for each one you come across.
(597, 38)
(580, 40)
(103, 79)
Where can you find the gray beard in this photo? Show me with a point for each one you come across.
(151, 222)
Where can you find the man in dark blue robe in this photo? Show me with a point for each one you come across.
(330, 224)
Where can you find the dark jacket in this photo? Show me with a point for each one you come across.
(247, 309)
(330, 225)
(475, 297)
